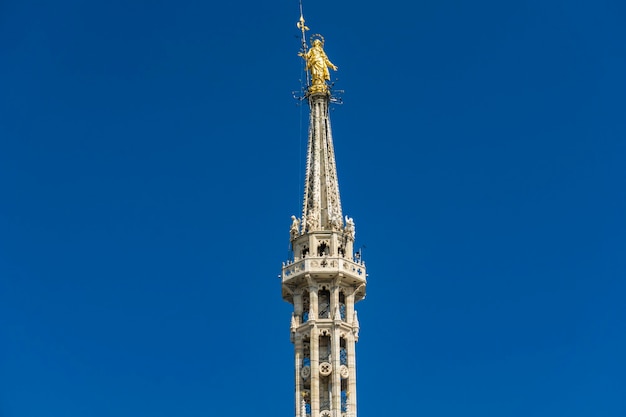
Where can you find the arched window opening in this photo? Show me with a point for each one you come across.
(343, 352)
(305, 374)
(324, 304)
(323, 249)
(306, 353)
(305, 306)
(324, 349)
(325, 389)
(344, 395)
(342, 305)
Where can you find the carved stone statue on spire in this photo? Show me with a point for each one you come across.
(294, 230)
(350, 232)
(317, 64)
(335, 222)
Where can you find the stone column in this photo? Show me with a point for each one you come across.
(349, 306)
(350, 346)
(313, 303)
(334, 298)
(315, 371)
(336, 362)
(297, 305)
(299, 349)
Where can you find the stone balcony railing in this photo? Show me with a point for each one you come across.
(324, 265)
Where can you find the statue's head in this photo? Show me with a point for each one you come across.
(317, 42)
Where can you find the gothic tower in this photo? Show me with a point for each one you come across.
(324, 278)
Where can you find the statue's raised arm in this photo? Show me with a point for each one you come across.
(317, 64)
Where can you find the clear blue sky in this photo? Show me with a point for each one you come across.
(151, 155)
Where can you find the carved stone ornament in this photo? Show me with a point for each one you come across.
(344, 372)
(325, 368)
(305, 372)
(293, 322)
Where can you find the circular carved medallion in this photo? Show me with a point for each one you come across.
(325, 368)
(305, 372)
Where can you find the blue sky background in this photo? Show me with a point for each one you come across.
(151, 155)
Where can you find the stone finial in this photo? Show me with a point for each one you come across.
(293, 322)
(303, 407)
(336, 313)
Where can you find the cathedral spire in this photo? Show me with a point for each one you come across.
(324, 278)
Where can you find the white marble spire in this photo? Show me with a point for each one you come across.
(324, 278)
(322, 205)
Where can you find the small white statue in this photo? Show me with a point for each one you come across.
(335, 222)
(312, 220)
(294, 231)
(350, 227)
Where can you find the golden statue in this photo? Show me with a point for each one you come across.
(317, 64)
